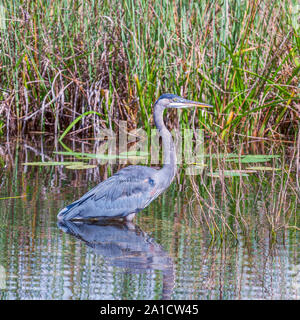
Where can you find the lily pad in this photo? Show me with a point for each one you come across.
(221, 155)
(81, 167)
(254, 158)
(52, 163)
(263, 168)
(230, 173)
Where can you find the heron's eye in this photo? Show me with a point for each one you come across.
(151, 182)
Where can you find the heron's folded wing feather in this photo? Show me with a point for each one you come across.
(132, 183)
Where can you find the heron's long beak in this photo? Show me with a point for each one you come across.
(184, 103)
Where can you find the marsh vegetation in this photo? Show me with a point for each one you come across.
(71, 69)
(62, 59)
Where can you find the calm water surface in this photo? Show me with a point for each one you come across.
(164, 254)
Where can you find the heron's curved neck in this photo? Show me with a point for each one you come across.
(169, 152)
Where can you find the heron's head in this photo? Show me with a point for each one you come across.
(169, 100)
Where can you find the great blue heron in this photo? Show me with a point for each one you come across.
(132, 189)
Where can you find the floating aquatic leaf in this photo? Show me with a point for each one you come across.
(230, 173)
(217, 175)
(251, 160)
(221, 155)
(263, 168)
(51, 163)
(255, 158)
(81, 167)
(268, 156)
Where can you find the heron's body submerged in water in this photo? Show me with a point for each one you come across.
(132, 188)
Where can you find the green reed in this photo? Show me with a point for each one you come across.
(60, 59)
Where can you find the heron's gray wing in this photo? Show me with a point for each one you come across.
(128, 182)
(131, 187)
(128, 191)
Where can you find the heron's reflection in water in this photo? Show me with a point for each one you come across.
(125, 245)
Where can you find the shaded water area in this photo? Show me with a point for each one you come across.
(168, 252)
